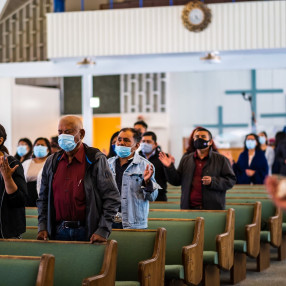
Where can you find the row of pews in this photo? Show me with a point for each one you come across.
(187, 245)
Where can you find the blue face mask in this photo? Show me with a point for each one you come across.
(40, 151)
(123, 151)
(146, 148)
(250, 144)
(22, 150)
(66, 142)
(262, 140)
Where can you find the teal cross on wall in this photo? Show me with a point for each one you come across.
(220, 125)
(253, 92)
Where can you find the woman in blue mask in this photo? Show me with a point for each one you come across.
(112, 145)
(251, 167)
(24, 150)
(33, 169)
(268, 151)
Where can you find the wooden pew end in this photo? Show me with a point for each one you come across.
(263, 259)
(211, 275)
(238, 270)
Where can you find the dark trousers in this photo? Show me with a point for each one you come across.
(71, 234)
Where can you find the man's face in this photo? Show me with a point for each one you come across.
(140, 128)
(66, 127)
(149, 140)
(203, 135)
(126, 139)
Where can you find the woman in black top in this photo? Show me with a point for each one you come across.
(13, 193)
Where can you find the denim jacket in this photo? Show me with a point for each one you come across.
(134, 197)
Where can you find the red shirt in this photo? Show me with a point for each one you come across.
(68, 187)
(196, 188)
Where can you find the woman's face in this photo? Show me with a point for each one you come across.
(41, 143)
(23, 143)
(114, 140)
(250, 137)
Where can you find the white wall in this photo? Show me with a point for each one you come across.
(36, 112)
(157, 123)
(6, 87)
(194, 98)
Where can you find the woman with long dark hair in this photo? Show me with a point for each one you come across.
(112, 145)
(252, 166)
(33, 168)
(13, 193)
(191, 148)
(24, 150)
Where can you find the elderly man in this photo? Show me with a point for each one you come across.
(134, 177)
(78, 196)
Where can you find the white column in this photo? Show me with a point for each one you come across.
(87, 94)
(6, 87)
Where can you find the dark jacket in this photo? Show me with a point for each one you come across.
(217, 167)
(12, 207)
(102, 195)
(160, 175)
(280, 157)
(258, 164)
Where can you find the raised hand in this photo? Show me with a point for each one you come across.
(5, 169)
(148, 173)
(165, 160)
(249, 172)
(42, 235)
(97, 238)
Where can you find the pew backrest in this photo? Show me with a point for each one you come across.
(141, 255)
(184, 245)
(27, 270)
(74, 260)
(219, 229)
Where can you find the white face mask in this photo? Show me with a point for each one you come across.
(146, 148)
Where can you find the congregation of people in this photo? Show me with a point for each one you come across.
(82, 194)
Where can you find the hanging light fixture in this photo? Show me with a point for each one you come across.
(86, 62)
(212, 58)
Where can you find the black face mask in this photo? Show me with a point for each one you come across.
(201, 143)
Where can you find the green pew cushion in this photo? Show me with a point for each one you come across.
(31, 221)
(174, 272)
(265, 236)
(127, 283)
(284, 227)
(240, 246)
(19, 271)
(210, 257)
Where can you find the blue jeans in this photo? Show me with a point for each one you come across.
(71, 234)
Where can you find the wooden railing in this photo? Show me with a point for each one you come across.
(157, 3)
(23, 33)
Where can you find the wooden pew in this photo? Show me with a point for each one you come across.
(271, 227)
(218, 242)
(31, 220)
(31, 211)
(31, 232)
(184, 248)
(141, 256)
(77, 263)
(27, 270)
(246, 237)
(164, 205)
(282, 247)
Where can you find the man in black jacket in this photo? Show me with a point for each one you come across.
(78, 197)
(13, 193)
(205, 175)
(149, 150)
